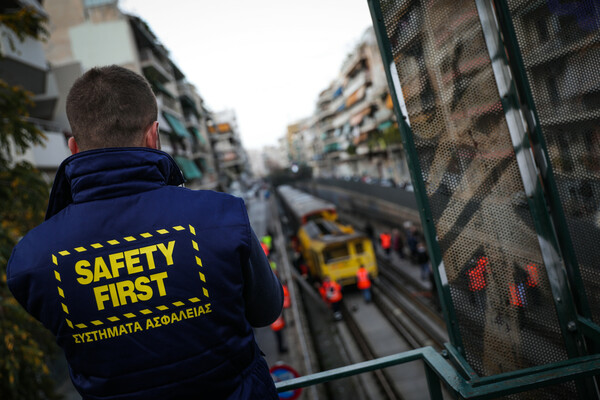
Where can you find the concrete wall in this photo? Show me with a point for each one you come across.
(104, 44)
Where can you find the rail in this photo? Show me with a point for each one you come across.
(381, 377)
(461, 380)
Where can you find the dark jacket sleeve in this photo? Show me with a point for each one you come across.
(262, 290)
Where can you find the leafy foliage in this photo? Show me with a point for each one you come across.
(382, 139)
(24, 22)
(25, 345)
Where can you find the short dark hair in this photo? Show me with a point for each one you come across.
(110, 107)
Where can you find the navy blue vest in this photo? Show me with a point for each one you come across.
(141, 281)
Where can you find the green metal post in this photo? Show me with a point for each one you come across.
(433, 383)
(536, 196)
(419, 187)
(438, 369)
(541, 153)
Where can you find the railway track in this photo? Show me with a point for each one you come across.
(383, 379)
(394, 322)
(398, 320)
(397, 293)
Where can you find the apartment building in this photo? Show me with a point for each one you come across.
(351, 117)
(561, 52)
(89, 33)
(300, 142)
(232, 161)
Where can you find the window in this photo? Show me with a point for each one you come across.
(334, 252)
(359, 248)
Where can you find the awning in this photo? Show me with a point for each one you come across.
(331, 147)
(198, 135)
(205, 166)
(358, 117)
(384, 125)
(338, 92)
(177, 126)
(388, 102)
(160, 88)
(187, 101)
(224, 128)
(189, 168)
(356, 96)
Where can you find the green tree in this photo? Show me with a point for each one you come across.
(383, 139)
(25, 345)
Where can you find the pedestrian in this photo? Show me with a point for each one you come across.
(363, 282)
(267, 241)
(286, 296)
(277, 327)
(265, 248)
(273, 265)
(331, 291)
(385, 239)
(397, 243)
(412, 239)
(151, 289)
(423, 260)
(369, 230)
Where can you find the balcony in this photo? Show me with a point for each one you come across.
(189, 168)
(154, 67)
(25, 65)
(168, 103)
(52, 153)
(177, 126)
(45, 102)
(355, 83)
(351, 62)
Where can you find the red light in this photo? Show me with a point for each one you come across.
(533, 275)
(477, 275)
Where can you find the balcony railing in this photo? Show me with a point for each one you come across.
(156, 67)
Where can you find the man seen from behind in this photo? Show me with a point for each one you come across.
(151, 289)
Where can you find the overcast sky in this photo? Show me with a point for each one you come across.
(266, 59)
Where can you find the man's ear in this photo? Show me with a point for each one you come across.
(151, 137)
(73, 145)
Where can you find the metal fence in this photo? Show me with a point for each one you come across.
(498, 103)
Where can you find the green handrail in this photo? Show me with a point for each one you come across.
(439, 370)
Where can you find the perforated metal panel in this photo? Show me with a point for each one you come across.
(560, 46)
(498, 282)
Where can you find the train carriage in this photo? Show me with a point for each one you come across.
(329, 248)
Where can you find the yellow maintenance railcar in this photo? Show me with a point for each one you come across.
(328, 247)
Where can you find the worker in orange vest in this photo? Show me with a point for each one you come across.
(265, 248)
(286, 296)
(386, 242)
(363, 282)
(277, 327)
(331, 291)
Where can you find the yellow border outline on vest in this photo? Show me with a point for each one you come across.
(112, 242)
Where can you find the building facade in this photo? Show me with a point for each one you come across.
(89, 33)
(353, 132)
(231, 159)
(24, 63)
